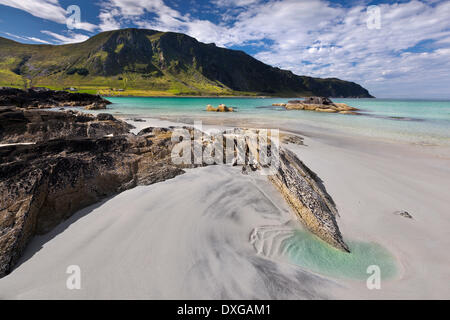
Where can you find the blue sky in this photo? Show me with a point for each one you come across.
(406, 55)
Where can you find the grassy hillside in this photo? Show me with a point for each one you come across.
(149, 62)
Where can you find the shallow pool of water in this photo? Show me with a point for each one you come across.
(308, 251)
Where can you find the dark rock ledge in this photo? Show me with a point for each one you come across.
(44, 99)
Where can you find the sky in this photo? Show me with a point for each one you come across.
(394, 49)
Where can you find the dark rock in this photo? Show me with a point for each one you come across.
(403, 213)
(313, 100)
(105, 116)
(306, 194)
(19, 125)
(32, 98)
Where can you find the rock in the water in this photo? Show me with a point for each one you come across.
(320, 104)
(220, 108)
(314, 100)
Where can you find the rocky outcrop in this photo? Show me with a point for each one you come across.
(319, 104)
(95, 106)
(220, 108)
(71, 166)
(44, 184)
(305, 193)
(19, 125)
(42, 99)
(302, 188)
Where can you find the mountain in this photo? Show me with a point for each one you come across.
(149, 61)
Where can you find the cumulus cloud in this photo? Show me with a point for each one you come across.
(46, 9)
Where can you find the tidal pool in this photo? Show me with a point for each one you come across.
(308, 251)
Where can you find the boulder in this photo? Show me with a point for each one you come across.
(320, 104)
(220, 108)
(318, 100)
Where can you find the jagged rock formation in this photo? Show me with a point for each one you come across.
(42, 98)
(304, 191)
(301, 188)
(68, 169)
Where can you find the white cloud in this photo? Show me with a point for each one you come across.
(46, 9)
(234, 3)
(27, 38)
(108, 20)
(72, 38)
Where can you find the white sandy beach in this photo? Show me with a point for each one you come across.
(194, 236)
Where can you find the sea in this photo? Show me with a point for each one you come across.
(425, 122)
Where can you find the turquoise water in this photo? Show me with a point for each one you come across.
(305, 250)
(417, 121)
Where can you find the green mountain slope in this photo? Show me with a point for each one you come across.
(140, 61)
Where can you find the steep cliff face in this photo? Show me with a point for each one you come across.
(150, 59)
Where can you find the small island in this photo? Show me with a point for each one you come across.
(220, 108)
(319, 104)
